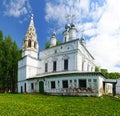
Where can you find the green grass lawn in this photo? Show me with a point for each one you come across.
(44, 105)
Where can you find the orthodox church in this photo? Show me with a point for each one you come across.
(65, 69)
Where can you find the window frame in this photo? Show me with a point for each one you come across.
(46, 67)
(82, 83)
(94, 80)
(32, 86)
(53, 85)
(54, 66)
(66, 62)
(29, 43)
(65, 83)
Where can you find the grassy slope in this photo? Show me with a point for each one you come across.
(43, 105)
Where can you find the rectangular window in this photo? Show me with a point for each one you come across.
(82, 83)
(52, 84)
(74, 81)
(46, 67)
(32, 86)
(66, 64)
(65, 83)
(89, 80)
(94, 80)
(54, 66)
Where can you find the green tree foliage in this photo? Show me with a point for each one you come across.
(1, 35)
(97, 69)
(111, 75)
(58, 42)
(47, 45)
(105, 72)
(114, 75)
(9, 56)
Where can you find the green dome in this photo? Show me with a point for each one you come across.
(72, 25)
(67, 26)
(53, 33)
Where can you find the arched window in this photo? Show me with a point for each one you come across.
(88, 67)
(82, 65)
(29, 43)
(30, 29)
(35, 45)
(65, 39)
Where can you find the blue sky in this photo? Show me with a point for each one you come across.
(100, 20)
(16, 25)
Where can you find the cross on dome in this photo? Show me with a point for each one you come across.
(68, 18)
(72, 17)
(82, 32)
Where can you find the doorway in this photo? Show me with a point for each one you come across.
(25, 87)
(41, 87)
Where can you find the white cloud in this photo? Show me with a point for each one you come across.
(101, 22)
(106, 45)
(58, 10)
(16, 8)
(105, 50)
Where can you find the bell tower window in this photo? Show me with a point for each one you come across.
(29, 43)
(35, 45)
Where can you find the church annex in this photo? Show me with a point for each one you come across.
(65, 69)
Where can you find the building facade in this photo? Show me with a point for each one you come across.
(65, 69)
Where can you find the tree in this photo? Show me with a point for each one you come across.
(97, 69)
(9, 56)
(58, 42)
(1, 59)
(47, 45)
(105, 72)
(1, 35)
(16, 55)
(112, 75)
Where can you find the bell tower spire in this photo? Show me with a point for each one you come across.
(30, 43)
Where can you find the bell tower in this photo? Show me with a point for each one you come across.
(30, 43)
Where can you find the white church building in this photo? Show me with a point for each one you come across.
(65, 69)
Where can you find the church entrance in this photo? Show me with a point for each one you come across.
(41, 87)
(25, 87)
